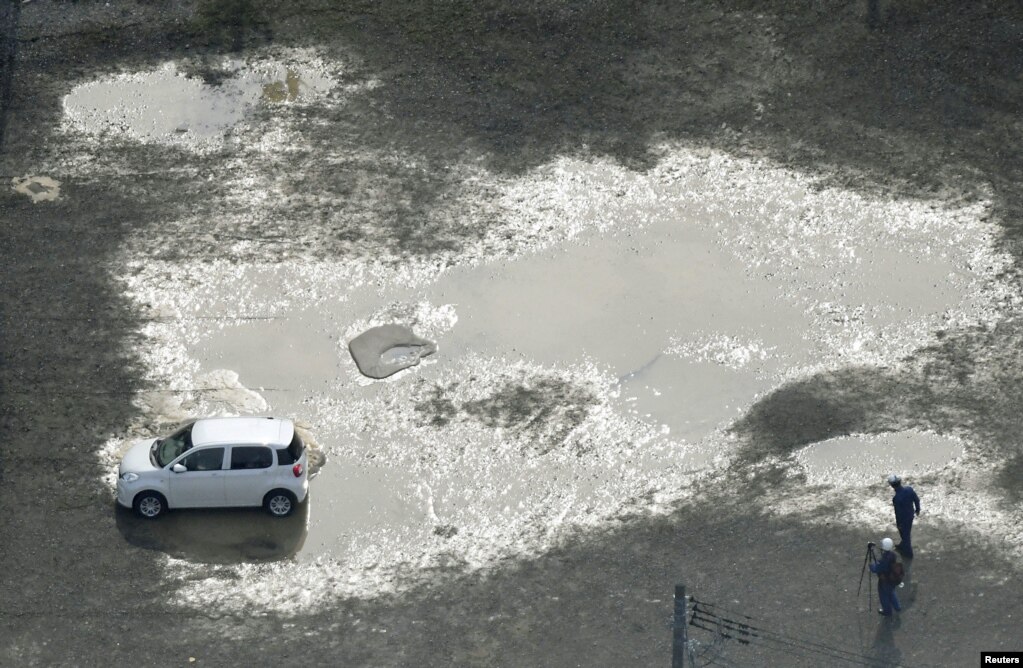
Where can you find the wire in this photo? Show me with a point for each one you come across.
(796, 649)
(711, 654)
(718, 632)
(788, 643)
(741, 631)
(783, 643)
(43, 389)
(143, 319)
(704, 617)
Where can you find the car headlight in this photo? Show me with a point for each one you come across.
(129, 476)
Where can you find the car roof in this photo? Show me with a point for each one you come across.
(267, 430)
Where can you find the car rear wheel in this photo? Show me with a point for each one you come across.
(279, 503)
(149, 505)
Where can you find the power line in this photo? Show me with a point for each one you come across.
(710, 654)
(126, 392)
(159, 318)
(739, 627)
(752, 635)
(747, 635)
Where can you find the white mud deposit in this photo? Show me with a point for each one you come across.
(582, 380)
(610, 324)
(37, 188)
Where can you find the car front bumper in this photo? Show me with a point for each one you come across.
(124, 495)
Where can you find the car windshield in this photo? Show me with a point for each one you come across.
(168, 449)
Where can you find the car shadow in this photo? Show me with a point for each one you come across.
(218, 536)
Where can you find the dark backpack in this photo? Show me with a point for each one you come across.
(896, 573)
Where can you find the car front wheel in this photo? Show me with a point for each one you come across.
(279, 503)
(149, 505)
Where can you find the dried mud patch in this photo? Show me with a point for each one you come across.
(540, 411)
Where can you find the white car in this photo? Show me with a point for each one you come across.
(217, 462)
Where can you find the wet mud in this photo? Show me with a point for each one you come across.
(861, 459)
(218, 536)
(691, 302)
(567, 397)
(167, 106)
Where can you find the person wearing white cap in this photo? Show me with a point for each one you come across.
(886, 583)
(907, 506)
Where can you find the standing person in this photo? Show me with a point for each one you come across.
(885, 584)
(907, 506)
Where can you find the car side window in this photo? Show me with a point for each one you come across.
(208, 459)
(251, 457)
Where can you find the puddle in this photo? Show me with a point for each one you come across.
(690, 397)
(868, 459)
(582, 377)
(221, 386)
(355, 501)
(401, 356)
(218, 536)
(560, 389)
(288, 90)
(166, 106)
(297, 352)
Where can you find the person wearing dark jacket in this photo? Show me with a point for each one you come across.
(885, 586)
(907, 506)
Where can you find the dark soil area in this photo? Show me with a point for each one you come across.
(911, 99)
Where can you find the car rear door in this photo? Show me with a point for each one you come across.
(249, 477)
(202, 484)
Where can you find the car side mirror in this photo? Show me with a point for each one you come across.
(179, 468)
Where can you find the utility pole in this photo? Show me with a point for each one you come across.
(680, 640)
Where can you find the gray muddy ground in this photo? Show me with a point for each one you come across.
(699, 278)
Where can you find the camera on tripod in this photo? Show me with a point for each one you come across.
(871, 558)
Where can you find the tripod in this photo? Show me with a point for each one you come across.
(873, 560)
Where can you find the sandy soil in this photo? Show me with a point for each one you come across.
(699, 279)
